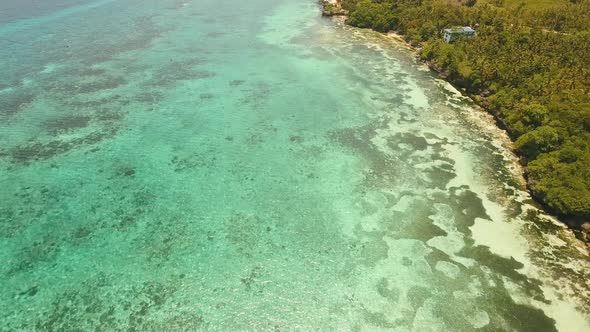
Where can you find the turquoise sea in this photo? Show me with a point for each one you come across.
(199, 165)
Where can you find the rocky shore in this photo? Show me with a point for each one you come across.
(332, 8)
(580, 227)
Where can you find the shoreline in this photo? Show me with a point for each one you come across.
(580, 228)
(332, 8)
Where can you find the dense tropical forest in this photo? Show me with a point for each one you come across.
(529, 65)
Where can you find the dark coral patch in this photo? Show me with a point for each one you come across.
(206, 96)
(296, 139)
(91, 71)
(235, 83)
(68, 123)
(172, 75)
(116, 100)
(31, 291)
(109, 115)
(104, 83)
(383, 167)
(38, 252)
(126, 171)
(418, 143)
(39, 151)
(32, 151)
(80, 233)
(251, 277)
(33, 203)
(257, 96)
(254, 139)
(182, 70)
(96, 305)
(194, 161)
(405, 118)
(151, 97)
(147, 31)
(15, 102)
(215, 34)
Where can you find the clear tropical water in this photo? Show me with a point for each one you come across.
(231, 166)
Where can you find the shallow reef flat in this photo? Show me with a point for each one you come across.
(213, 165)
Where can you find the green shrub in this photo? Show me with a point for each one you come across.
(377, 16)
(541, 140)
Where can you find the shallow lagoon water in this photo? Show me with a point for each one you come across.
(213, 165)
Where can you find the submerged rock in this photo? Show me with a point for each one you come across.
(585, 232)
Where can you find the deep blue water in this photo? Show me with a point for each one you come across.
(13, 10)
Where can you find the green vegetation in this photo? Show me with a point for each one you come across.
(529, 65)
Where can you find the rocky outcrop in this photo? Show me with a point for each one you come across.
(332, 8)
(579, 225)
(585, 230)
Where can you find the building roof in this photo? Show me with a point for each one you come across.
(459, 30)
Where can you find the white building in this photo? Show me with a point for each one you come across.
(452, 34)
